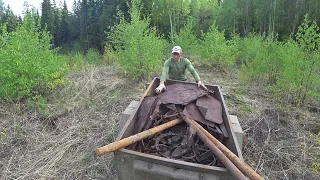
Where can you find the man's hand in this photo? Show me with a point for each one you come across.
(160, 88)
(200, 84)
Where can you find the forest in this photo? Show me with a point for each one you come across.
(64, 71)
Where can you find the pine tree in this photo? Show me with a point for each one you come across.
(10, 19)
(64, 28)
(56, 23)
(84, 26)
(47, 16)
(1, 12)
(74, 21)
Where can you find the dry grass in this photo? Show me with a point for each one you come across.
(277, 140)
(83, 115)
(80, 117)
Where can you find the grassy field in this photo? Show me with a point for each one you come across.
(59, 141)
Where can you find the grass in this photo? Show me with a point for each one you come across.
(277, 141)
(80, 117)
(60, 141)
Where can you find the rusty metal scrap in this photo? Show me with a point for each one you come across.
(181, 94)
(210, 108)
(180, 142)
(174, 143)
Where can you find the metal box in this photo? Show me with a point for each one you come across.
(132, 165)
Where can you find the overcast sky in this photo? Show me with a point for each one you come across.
(17, 5)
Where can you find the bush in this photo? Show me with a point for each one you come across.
(300, 78)
(93, 56)
(260, 59)
(291, 68)
(28, 65)
(214, 48)
(76, 61)
(136, 46)
(188, 40)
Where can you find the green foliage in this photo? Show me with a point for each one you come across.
(261, 62)
(300, 78)
(38, 104)
(93, 57)
(187, 39)
(137, 47)
(214, 48)
(290, 68)
(76, 61)
(28, 66)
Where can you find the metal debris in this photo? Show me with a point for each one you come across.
(180, 142)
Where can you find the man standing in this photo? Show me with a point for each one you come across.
(176, 67)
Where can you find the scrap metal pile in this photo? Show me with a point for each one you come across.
(180, 141)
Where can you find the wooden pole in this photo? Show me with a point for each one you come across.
(134, 138)
(246, 169)
(224, 160)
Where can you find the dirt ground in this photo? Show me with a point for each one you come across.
(60, 141)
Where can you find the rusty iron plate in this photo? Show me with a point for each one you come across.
(210, 108)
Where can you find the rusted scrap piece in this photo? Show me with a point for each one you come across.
(148, 105)
(247, 170)
(225, 161)
(210, 108)
(181, 94)
(175, 94)
(192, 111)
(178, 142)
(134, 138)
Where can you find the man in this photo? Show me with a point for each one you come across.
(176, 67)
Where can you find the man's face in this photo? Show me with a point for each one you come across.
(176, 56)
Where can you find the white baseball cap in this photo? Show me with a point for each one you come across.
(176, 49)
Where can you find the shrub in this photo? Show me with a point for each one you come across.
(93, 56)
(28, 64)
(214, 48)
(300, 78)
(137, 48)
(291, 68)
(188, 40)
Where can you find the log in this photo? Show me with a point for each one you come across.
(134, 138)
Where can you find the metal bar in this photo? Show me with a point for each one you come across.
(224, 160)
(246, 169)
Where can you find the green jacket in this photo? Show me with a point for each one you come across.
(177, 70)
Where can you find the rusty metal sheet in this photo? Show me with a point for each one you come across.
(147, 107)
(191, 110)
(210, 108)
(181, 94)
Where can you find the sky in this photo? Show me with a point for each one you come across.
(17, 5)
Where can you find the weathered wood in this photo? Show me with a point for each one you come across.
(237, 174)
(134, 138)
(246, 169)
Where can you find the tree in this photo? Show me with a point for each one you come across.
(2, 12)
(56, 24)
(10, 19)
(84, 26)
(47, 20)
(137, 48)
(64, 28)
(28, 65)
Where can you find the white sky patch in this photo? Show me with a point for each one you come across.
(17, 5)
